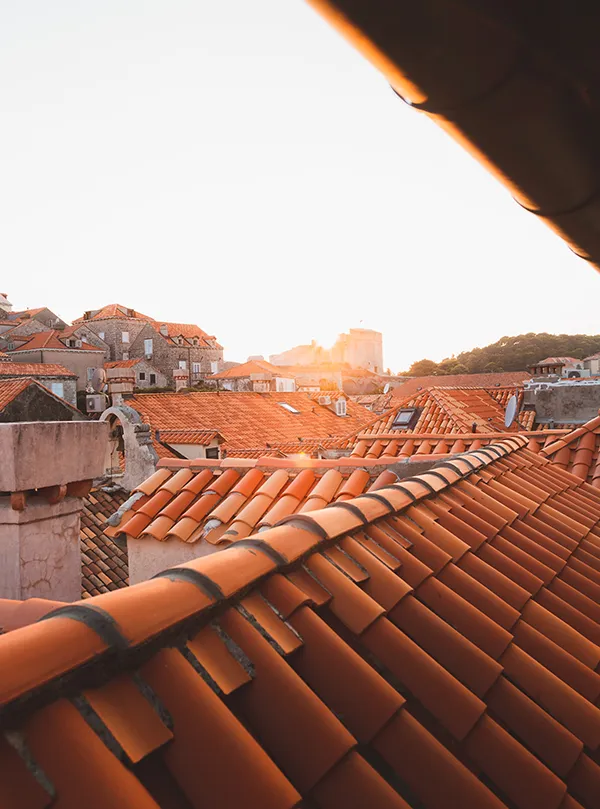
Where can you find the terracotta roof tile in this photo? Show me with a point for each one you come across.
(489, 381)
(363, 647)
(35, 369)
(249, 421)
(104, 564)
(52, 340)
(578, 452)
(11, 388)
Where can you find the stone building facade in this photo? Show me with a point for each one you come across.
(166, 346)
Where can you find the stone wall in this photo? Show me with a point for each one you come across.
(166, 356)
(113, 329)
(25, 329)
(573, 404)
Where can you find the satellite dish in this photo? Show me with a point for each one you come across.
(98, 380)
(387, 387)
(511, 411)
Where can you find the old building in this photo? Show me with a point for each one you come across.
(167, 346)
(61, 348)
(558, 366)
(360, 348)
(57, 378)
(26, 399)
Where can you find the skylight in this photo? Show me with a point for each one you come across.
(290, 408)
(404, 418)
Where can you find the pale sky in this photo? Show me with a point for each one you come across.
(240, 166)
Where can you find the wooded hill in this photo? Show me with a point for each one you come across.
(511, 354)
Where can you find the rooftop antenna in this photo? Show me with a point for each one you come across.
(510, 413)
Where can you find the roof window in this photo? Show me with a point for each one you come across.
(290, 408)
(405, 418)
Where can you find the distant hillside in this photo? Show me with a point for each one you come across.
(510, 354)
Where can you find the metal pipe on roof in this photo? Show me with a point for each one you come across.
(474, 70)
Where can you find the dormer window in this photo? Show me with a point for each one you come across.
(164, 330)
(72, 343)
(405, 418)
(340, 407)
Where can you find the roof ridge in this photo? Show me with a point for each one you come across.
(220, 581)
(571, 437)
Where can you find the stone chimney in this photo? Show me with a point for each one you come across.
(181, 377)
(46, 470)
(121, 382)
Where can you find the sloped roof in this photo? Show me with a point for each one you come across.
(423, 445)
(578, 452)
(11, 388)
(247, 420)
(52, 339)
(558, 361)
(450, 410)
(35, 369)
(501, 379)
(431, 644)
(123, 363)
(201, 438)
(104, 564)
(248, 368)
(224, 501)
(111, 311)
(186, 330)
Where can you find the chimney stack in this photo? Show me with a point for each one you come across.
(121, 382)
(46, 470)
(181, 377)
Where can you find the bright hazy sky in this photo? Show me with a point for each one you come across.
(237, 165)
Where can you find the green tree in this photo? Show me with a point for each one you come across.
(424, 368)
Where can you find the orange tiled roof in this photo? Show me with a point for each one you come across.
(450, 410)
(11, 388)
(41, 369)
(27, 313)
(229, 500)
(122, 363)
(247, 420)
(248, 368)
(103, 563)
(114, 310)
(200, 438)
(578, 452)
(558, 361)
(421, 445)
(492, 380)
(434, 643)
(188, 331)
(52, 339)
